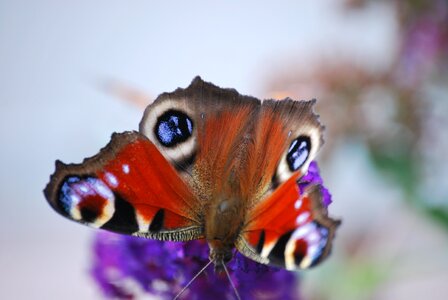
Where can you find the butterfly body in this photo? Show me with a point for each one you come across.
(208, 163)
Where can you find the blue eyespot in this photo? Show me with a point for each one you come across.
(66, 201)
(298, 152)
(173, 127)
(324, 233)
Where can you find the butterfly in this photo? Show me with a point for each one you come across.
(208, 163)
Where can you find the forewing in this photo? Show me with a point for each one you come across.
(218, 128)
(127, 188)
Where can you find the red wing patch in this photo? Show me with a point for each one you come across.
(290, 229)
(129, 188)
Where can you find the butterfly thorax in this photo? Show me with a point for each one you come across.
(223, 223)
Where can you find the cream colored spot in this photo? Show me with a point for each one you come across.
(111, 179)
(302, 218)
(267, 248)
(125, 168)
(143, 224)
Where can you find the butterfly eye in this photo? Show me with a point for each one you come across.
(298, 152)
(173, 127)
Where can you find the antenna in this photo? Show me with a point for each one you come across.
(193, 279)
(231, 282)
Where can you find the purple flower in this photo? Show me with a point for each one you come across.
(127, 267)
(423, 45)
(313, 177)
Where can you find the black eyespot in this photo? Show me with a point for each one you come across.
(173, 127)
(298, 152)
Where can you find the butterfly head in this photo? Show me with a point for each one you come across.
(220, 254)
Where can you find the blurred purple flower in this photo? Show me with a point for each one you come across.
(424, 40)
(127, 267)
(313, 177)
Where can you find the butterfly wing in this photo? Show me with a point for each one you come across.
(128, 188)
(217, 120)
(290, 228)
(286, 225)
(245, 149)
(185, 145)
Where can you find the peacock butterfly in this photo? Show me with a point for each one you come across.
(208, 163)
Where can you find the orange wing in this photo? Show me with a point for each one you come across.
(129, 188)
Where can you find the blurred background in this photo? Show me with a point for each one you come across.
(71, 73)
